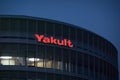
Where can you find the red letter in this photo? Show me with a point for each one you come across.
(53, 41)
(65, 42)
(39, 37)
(70, 44)
(46, 40)
(60, 42)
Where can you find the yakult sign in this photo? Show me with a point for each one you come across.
(53, 40)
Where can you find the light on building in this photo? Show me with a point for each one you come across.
(33, 59)
(5, 57)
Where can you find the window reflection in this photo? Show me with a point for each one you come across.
(40, 63)
(9, 60)
(47, 63)
(35, 62)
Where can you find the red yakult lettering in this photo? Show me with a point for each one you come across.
(53, 40)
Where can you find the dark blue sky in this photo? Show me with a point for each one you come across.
(99, 16)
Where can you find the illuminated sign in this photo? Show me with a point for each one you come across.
(53, 40)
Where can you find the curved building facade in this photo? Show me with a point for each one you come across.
(41, 49)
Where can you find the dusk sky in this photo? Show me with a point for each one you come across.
(99, 16)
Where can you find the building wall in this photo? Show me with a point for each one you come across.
(22, 57)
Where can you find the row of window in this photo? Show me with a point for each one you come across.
(37, 62)
(55, 58)
(16, 25)
(23, 75)
(107, 70)
(31, 62)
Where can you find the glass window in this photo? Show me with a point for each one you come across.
(58, 77)
(49, 57)
(58, 30)
(14, 25)
(22, 51)
(4, 24)
(73, 61)
(79, 36)
(85, 37)
(107, 48)
(66, 31)
(99, 43)
(80, 59)
(86, 60)
(91, 62)
(72, 33)
(80, 63)
(90, 37)
(41, 56)
(41, 27)
(101, 66)
(32, 26)
(96, 64)
(8, 49)
(10, 60)
(49, 28)
(65, 60)
(11, 54)
(95, 41)
(58, 59)
(31, 54)
(50, 77)
(102, 45)
(85, 64)
(23, 25)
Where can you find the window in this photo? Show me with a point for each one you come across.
(10, 60)
(72, 33)
(85, 38)
(41, 56)
(58, 58)
(80, 63)
(31, 55)
(79, 36)
(65, 31)
(58, 30)
(4, 24)
(14, 25)
(23, 25)
(90, 37)
(49, 57)
(49, 28)
(95, 41)
(65, 60)
(41, 27)
(32, 26)
(73, 61)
